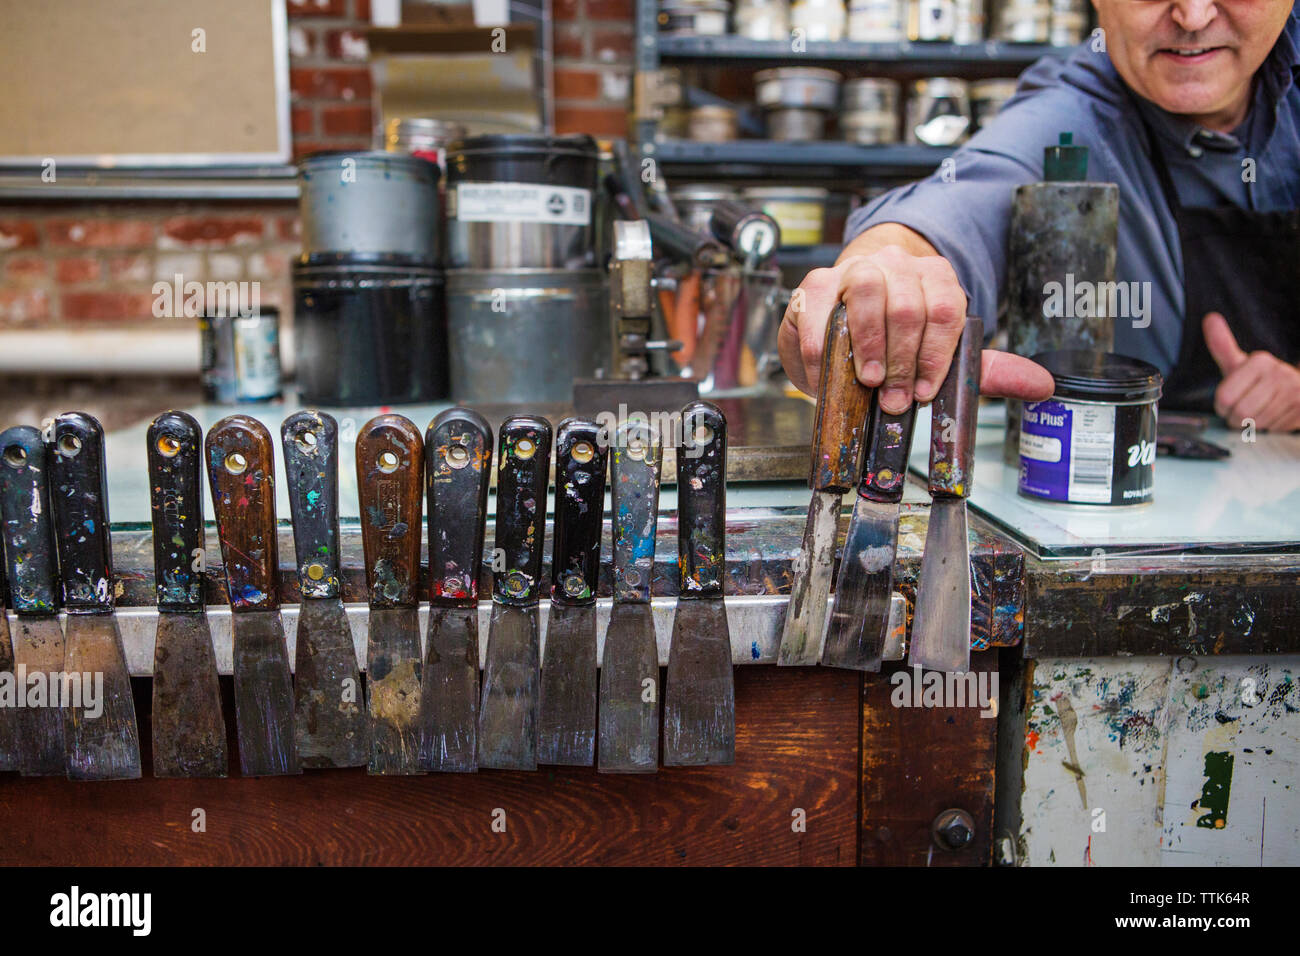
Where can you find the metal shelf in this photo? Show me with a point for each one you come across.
(805, 157)
(987, 58)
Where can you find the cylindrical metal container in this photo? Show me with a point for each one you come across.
(422, 136)
(819, 19)
(800, 211)
(524, 335)
(521, 201)
(713, 124)
(795, 125)
(1023, 21)
(870, 114)
(369, 334)
(240, 356)
(1067, 28)
(695, 201)
(701, 18)
(369, 203)
(968, 21)
(931, 20)
(987, 97)
(877, 21)
(1094, 441)
(762, 19)
(797, 87)
(938, 111)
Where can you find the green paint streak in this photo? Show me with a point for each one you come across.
(1216, 790)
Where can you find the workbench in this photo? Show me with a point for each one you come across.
(1123, 639)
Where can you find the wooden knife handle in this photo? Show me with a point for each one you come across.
(79, 494)
(842, 406)
(523, 466)
(458, 466)
(952, 419)
(884, 464)
(28, 524)
(635, 467)
(241, 474)
(702, 501)
(581, 463)
(310, 441)
(174, 446)
(390, 484)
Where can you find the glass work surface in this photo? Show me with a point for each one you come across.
(1247, 502)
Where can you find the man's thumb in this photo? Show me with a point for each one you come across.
(1222, 343)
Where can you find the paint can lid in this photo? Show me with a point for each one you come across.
(1087, 375)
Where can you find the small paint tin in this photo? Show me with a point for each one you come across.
(1094, 441)
(240, 357)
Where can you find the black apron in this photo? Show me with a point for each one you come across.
(1241, 263)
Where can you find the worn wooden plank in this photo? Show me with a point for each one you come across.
(796, 749)
(918, 761)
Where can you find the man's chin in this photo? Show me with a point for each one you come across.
(1187, 96)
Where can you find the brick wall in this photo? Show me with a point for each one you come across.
(75, 264)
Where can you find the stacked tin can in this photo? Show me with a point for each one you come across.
(694, 17)
(1023, 21)
(526, 300)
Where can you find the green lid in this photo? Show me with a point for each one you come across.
(1066, 162)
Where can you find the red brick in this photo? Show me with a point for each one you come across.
(346, 120)
(18, 234)
(302, 41)
(361, 10)
(610, 10)
(317, 8)
(106, 306)
(21, 306)
(566, 10)
(331, 83)
(304, 121)
(288, 227)
(26, 266)
(611, 46)
(347, 45)
(597, 122)
(569, 42)
(78, 269)
(129, 268)
(210, 231)
(270, 264)
(99, 233)
(573, 84)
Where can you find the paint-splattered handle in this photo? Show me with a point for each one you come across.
(174, 447)
(702, 501)
(884, 464)
(581, 464)
(842, 406)
(310, 441)
(458, 469)
(79, 494)
(241, 475)
(29, 551)
(952, 419)
(523, 467)
(390, 484)
(635, 467)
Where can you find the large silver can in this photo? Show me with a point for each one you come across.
(524, 335)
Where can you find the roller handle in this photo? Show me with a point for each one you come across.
(581, 464)
(241, 475)
(953, 415)
(79, 494)
(884, 463)
(701, 501)
(30, 558)
(174, 447)
(843, 404)
(458, 469)
(636, 463)
(310, 442)
(523, 467)
(390, 486)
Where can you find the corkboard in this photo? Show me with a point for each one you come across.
(121, 83)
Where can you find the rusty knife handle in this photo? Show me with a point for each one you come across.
(635, 468)
(310, 442)
(581, 464)
(702, 501)
(842, 407)
(241, 475)
(79, 494)
(458, 469)
(953, 415)
(523, 466)
(390, 487)
(30, 558)
(884, 463)
(174, 446)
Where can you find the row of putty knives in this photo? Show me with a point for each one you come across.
(72, 711)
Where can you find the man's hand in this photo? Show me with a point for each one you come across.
(1258, 385)
(906, 311)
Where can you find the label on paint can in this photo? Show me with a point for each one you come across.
(1087, 453)
(257, 356)
(520, 202)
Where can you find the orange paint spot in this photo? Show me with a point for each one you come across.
(1031, 739)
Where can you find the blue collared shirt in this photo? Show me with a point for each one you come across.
(967, 219)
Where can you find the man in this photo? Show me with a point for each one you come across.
(1192, 107)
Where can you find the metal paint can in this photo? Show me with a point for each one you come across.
(422, 136)
(695, 201)
(713, 124)
(877, 21)
(987, 97)
(239, 357)
(1094, 441)
(938, 111)
(870, 112)
(799, 211)
(819, 19)
(524, 335)
(762, 19)
(706, 18)
(931, 20)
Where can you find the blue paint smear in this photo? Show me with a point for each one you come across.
(753, 650)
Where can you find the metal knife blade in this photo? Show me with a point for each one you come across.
(449, 702)
(941, 624)
(507, 730)
(394, 670)
(566, 711)
(263, 695)
(8, 684)
(842, 407)
(104, 743)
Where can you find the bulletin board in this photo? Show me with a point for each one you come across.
(144, 82)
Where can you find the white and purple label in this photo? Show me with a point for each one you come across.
(1087, 453)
